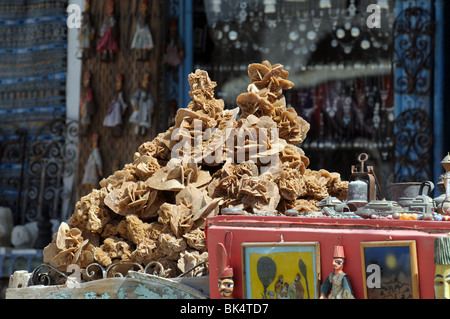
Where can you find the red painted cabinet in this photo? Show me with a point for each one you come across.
(236, 232)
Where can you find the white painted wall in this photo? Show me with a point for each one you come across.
(72, 95)
(73, 70)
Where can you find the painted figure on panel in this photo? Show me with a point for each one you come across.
(282, 271)
(442, 273)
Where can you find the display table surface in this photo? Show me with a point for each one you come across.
(133, 286)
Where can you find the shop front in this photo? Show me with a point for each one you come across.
(302, 90)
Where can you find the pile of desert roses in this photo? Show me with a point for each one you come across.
(155, 209)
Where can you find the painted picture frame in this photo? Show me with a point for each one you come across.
(389, 270)
(281, 270)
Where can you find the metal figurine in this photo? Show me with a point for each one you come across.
(442, 272)
(337, 284)
(87, 107)
(87, 33)
(444, 207)
(142, 39)
(142, 103)
(108, 45)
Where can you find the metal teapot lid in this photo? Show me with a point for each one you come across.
(329, 201)
(446, 162)
(422, 199)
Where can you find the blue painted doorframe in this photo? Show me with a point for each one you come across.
(177, 88)
(418, 77)
(186, 32)
(440, 138)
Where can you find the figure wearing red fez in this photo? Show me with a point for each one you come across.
(224, 273)
(108, 43)
(337, 284)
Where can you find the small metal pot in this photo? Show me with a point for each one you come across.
(404, 193)
(357, 195)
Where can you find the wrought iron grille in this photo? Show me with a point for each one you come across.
(413, 54)
(413, 68)
(33, 169)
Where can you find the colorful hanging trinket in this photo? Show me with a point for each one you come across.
(87, 107)
(174, 50)
(142, 103)
(93, 171)
(142, 40)
(108, 45)
(113, 118)
(87, 33)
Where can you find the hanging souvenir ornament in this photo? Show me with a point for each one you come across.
(174, 50)
(87, 33)
(376, 119)
(216, 6)
(113, 118)
(331, 106)
(87, 106)
(346, 108)
(334, 17)
(325, 4)
(242, 16)
(352, 8)
(93, 170)
(142, 103)
(270, 6)
(311, 35)
(337, 284)
(293, 35)
(383, 4)
(316, 20)
(340, 33)
(108, 45)
(355, 32)
(365, 44)
(142, 40)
